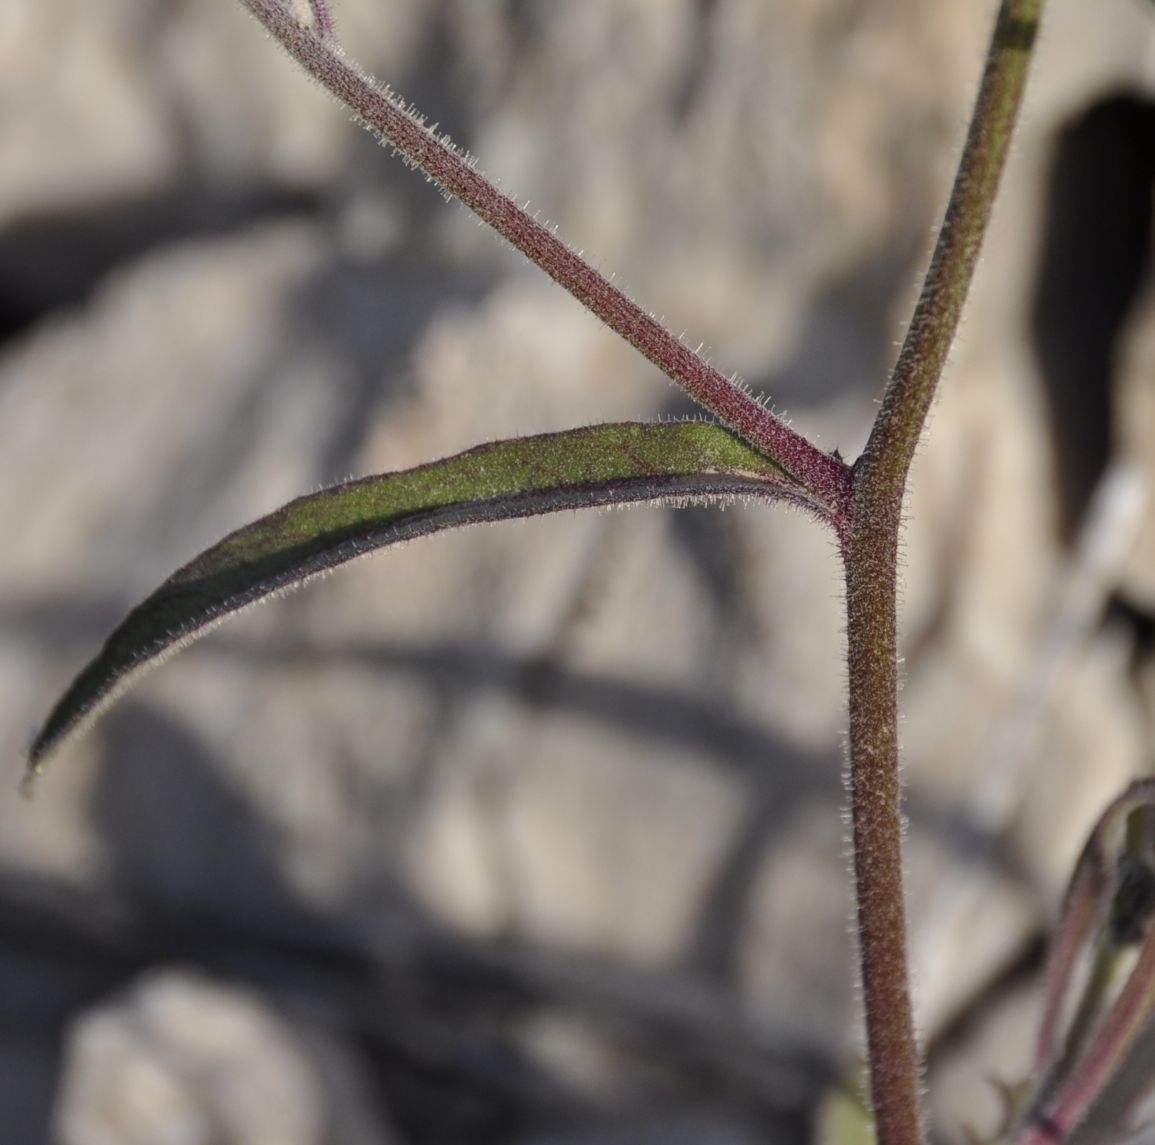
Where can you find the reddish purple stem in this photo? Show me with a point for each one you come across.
(323, 20)
(826, 477)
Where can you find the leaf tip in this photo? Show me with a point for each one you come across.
(34, 754)
(63, 723)
(28, 781)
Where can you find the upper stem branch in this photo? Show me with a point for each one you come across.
(823, 475)
(908, 396)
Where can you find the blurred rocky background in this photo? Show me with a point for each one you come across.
(532, 834)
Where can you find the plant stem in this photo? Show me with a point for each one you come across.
(323, 19)
(863, 504)
(894, 436)
(870, 554)
(823, 475)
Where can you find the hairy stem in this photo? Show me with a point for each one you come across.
(870, 553)
(863, 504)
(825, 476)
(894, 436)
(323, 19)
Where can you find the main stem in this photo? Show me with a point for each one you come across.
(869, 541)
(871, 556)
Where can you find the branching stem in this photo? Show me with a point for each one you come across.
(864, 504)
(825, 476)
(870, 554)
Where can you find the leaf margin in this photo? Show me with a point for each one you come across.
(598, 466)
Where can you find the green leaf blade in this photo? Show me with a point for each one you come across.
(614, 464)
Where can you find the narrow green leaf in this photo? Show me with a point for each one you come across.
(600, 465)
